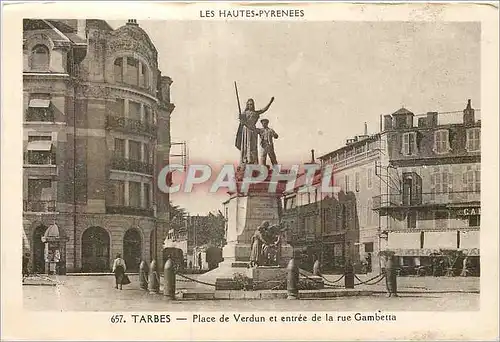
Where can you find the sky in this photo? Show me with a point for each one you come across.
(328, 78)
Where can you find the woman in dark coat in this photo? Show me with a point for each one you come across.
(119, 268)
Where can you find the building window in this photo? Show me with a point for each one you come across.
(134, 194)
(134, 110)
(134, 150)
(118, 69)
(147, 156)
(422, 239)
(347, 181)
(442, 141)
(441, 219)
(409, 145)
(343, 216)
(119, 148)
(132, 75)
(148, 117)
(39, 151)
(120, 108)
(411, 220)
(40, 196)
(40, 108)
(147, 191)
(472, 179)
(144, 81)
(441, 182)
(458, 239)
(473, 140)
(40, 58)
(369, 178)
(474, 221)
(368, 247)
(117, 192)
(356, 180)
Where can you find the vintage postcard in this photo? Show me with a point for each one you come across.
(249, 171)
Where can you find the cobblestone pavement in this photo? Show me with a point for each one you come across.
(97, 293)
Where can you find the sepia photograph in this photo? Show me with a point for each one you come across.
(249, 160)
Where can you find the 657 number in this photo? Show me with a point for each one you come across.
(117, 319)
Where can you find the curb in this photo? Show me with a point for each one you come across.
(431, 292)
(235, 295)
(40, 284)
(94, 274)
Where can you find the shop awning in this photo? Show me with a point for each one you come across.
(40, 145)
(39, 103)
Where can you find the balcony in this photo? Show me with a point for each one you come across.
(39, 158)
(118, 163)
(126, 210)
(36, 206)
(425, 199)
(130, 125)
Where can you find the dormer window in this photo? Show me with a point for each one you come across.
(409, 144)
(442, 141)
(40, 58)
(473, 140)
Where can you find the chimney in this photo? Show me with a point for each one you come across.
(366, 129)
(469, 114)
(432, 119)
(132, 22)
(81, 29)
(387, 122)
(312, 157)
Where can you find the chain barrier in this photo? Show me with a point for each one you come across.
(316, 281)
(195, 280)
(332, 281)
(367, 282)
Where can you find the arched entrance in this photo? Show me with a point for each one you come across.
(38, 262)
(132, 244)
(95, 250)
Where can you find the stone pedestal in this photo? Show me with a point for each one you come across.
(245, 213)
(267, 277)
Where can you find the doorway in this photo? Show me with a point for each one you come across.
(38, 250)
(95, 250)
(132, 243)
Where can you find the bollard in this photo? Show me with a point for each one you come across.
(169, 279)
(349, 276)
(391, 277)
(153, 285)
(292, 280)
(316, 268)
(143, 275)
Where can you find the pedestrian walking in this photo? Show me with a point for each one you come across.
(119, 268)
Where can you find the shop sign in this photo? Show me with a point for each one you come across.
(469, 211)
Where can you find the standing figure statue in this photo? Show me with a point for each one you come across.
(267, 135)
(246, 137)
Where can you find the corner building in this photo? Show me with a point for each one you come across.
(96, 131)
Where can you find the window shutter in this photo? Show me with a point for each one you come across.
(404, 144)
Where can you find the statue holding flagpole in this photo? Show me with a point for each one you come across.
(247, 135)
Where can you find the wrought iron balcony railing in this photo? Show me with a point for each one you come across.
(119, 163)
(130, 125)
(424, 199)
(39, 206)
(127, 210)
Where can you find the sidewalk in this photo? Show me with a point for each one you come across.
(419, 284)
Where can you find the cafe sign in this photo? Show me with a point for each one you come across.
(469, 212)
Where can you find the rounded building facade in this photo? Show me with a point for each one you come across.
(96, 129)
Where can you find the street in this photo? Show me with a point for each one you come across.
(97, 293)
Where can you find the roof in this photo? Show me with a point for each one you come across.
(353, 144)
(402, 111)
